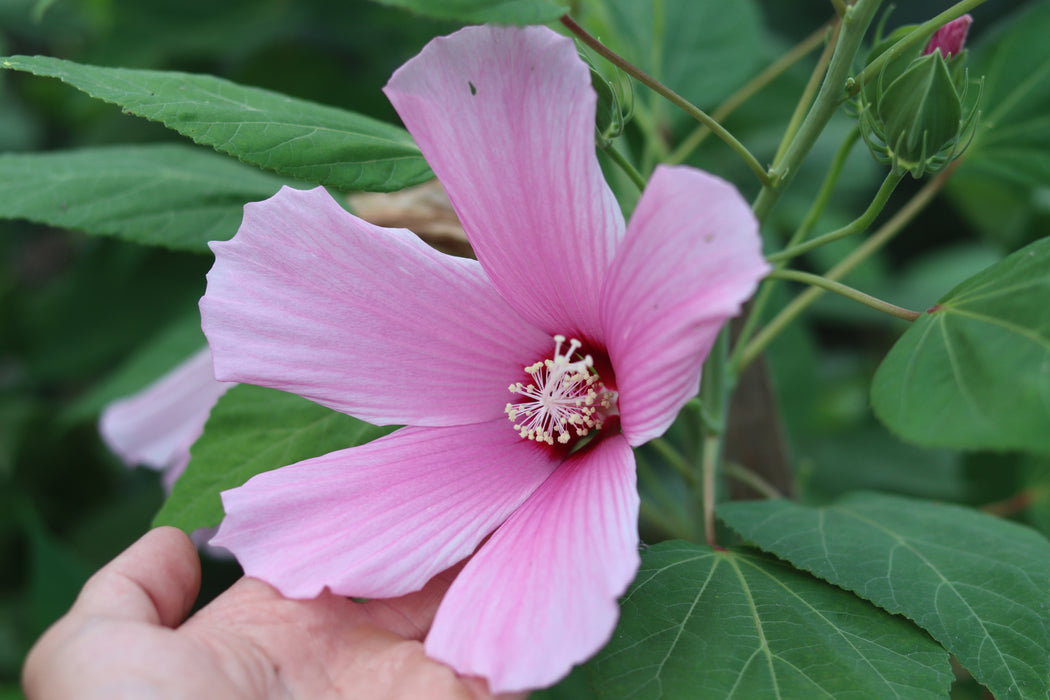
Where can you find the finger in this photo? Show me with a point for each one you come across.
(155, 580)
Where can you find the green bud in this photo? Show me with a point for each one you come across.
(913, 115)
(615, 105)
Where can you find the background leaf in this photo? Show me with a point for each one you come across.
(718, 624)
(252, 430)
(978, 584)
(175, 196)
(997, 182)
(971, 373)
(702, 49)
(293, 137)
(482, 11)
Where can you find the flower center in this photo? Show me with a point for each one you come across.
(565, 398)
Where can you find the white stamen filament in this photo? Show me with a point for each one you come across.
(564, 397)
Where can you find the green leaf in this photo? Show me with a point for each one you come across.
(482, 11)
(701, 622)
(972, 371)
(1013, 139)
(252, 430)
(296, 138)
(156, 357)
(175, 196)
(702, 49)
(977, 584)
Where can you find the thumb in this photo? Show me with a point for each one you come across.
(155, 580)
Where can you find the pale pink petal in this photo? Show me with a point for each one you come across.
(541, 594)
(157, 426)
(691, 258)
(309, 299)
(381, 519)
(506, 116)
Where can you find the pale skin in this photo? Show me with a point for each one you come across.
(127, 636)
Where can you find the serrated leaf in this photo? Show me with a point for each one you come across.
(972, 372)
(701, 622)
(296, 138)
(482, 11)
(252, 430)
(977, 584)
(174, 196)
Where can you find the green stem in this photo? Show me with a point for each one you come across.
(674, 458)
(671, 96)
(805, 100)
(746, 92)
(832, 93)
(827, 188)
(715, 389)
(752, 479)
(882, 236)
(858, 225)
(846, 291)
(758, 304)
(920, 34)
(840, 7)
(625, 165)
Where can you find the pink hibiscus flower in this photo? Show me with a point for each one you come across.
(597, 328)
(157, 426)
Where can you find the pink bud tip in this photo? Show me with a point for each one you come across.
(950, 38)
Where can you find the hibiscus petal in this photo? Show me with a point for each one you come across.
(505, 117)
(309, 299)
(381, 519)
(691, 257)
(541, 594)
(158, 425)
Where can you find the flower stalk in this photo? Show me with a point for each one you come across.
(865, 250)
(747, 91)
(846, 291)
(671, 96)
(856, 226)
(832, 94)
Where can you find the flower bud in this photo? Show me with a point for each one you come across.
(615, 105)
(912, 114)
(950, 38)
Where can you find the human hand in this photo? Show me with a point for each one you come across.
(127, 636)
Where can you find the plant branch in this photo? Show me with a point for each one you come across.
(858, 225)
(669, 94)
(846, 291)
(625, 165)
(882, 236)
(805, 100)
(761, 299)
(746, 92)
(832, 93)
(752, 479)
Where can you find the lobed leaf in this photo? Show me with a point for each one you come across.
(979, 585)
(174, 196)
(252, 430)
(293, 137)
(972, 371)
(701, 622)
(482, 11)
